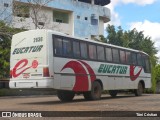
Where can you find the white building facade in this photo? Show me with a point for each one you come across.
(80, 18)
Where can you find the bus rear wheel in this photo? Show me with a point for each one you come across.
(139, 91)
(113, 93)
(65, 96)
(95, 93)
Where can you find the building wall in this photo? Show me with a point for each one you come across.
(101, 26)
(82, 27)
(80, 15)
(27, 23)
(6, 10)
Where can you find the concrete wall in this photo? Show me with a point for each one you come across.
(82, 27)
(78, 25)
(6, 11)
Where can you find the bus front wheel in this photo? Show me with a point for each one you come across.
(113, 93)
(139, 91)
(95, 93)
(65, 96)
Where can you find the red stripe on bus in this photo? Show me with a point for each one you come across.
(81, 83)
(132, 75)
(90, 70)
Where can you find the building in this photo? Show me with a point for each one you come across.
(80, 18)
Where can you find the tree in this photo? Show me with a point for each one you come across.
(132, 39)
(157, 73)
(115, 37)
(6, 33)
(38, 17)
(135, 40)
(23, 11)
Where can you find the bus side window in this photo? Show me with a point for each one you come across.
(92, 52)
(139, 60)
(115, 53)
(109, 54)
(67, 49)
(147, 68)
(134, 58)
(100, 53)
(58, 46)
(76, 49)
(128, 58)
(148, 65)
(84, 51)
(122, 56)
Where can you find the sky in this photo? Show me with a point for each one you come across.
(144, 15)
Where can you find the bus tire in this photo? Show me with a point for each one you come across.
(95, 93)
(65, 96)
(113, 93)
(139, 91)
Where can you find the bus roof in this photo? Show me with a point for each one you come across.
(88, 40)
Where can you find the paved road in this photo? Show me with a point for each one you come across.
(147, 102)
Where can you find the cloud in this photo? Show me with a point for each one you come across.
(151, 29)
(139, 2)
(115, 17)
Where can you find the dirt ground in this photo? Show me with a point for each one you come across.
(124, 103)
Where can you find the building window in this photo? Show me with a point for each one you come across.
(86, 18)
(6, 5)
(41, 23)
(86, 1)
(21, 10)
(94, 21)
(60, 21)
(78, 17)
(61, 17)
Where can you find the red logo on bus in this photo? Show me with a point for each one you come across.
(82, 82)
(134, 76)
(20, 67)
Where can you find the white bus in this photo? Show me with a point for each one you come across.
(48, 59)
